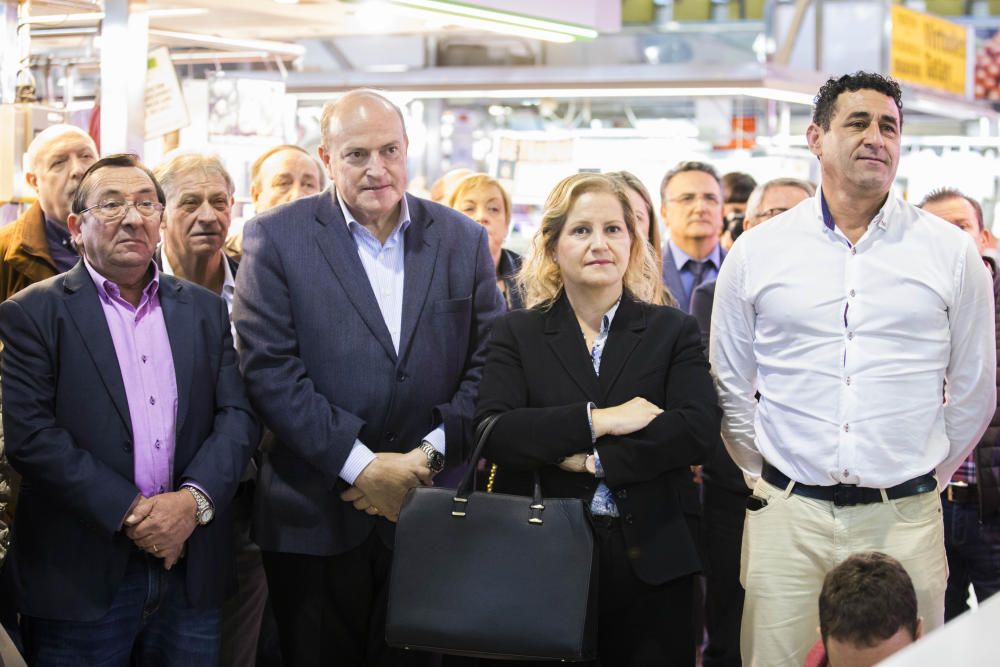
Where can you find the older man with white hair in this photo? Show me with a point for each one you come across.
(37, 245)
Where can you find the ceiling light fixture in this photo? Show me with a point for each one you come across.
(279, 48)
(510, 19)
(96, 17)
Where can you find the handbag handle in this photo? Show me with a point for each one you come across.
(465, 487)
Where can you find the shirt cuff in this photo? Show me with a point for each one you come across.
(436, 438)
(197, 487)
(590, 422)
(357, 460)
(598, 468)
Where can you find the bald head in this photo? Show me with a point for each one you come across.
(364, 153)
(358, 104)
(55, 162)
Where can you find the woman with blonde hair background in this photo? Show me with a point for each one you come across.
(645, 220)
(482, 198)
(608, 396)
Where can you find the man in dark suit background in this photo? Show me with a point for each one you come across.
(366, 379)
(126, 416)
(691, 206)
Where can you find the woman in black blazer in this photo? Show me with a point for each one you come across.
(609, 397)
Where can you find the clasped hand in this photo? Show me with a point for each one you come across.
(161, 524)
(623, 419)
(382, 485)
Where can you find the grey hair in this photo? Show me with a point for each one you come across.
(331, 108)
(43, 138)
(179, 163)
(753, 203)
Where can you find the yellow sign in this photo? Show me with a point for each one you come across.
(928, 51)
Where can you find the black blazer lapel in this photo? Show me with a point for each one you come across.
(626, 332)
(341, 254)
(563, 335)
(179, 318)
(84, 306)
(421, 247)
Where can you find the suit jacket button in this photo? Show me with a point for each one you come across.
(127, 446)
(402, 377)
(622, 493)
(628, 519)
(390, 437)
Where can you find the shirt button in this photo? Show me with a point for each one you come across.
(847, 381)
(853, 293)
(854, 251)
(162, 489)
(846, 474)
(850, 335)
(144, 357)
(157, 444)
(152, 400)
(847, 428)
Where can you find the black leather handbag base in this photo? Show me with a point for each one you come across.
(493, 575)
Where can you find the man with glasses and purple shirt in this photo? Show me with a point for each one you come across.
(127, 419)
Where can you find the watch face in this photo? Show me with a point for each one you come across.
(207, 515)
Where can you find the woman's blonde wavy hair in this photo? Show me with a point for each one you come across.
(541, 280)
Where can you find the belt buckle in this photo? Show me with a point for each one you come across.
(950, 494)
(846, 495)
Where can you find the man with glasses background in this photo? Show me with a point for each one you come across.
(691, 206)
(127, 419)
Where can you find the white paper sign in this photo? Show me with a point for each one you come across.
(165, 107)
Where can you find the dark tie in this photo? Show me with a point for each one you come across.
(697, 270)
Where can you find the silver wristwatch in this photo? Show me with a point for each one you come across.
(204, 513)
(435, 461)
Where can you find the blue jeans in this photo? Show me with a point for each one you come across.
(149, 624)
(973, 550)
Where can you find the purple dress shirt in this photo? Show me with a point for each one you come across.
(147, 368)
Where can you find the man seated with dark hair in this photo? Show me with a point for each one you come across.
(867, 612)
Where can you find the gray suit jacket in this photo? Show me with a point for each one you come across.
(321, 369)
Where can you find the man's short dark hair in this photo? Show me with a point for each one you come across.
(825, 102)
(867, 599)
(737, 186)
(942, 194)
(117, 160)
(689, 165)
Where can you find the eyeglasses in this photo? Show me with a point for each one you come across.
(113, 211)
(770, 213)
(690, 199)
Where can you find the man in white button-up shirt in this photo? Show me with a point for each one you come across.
(867, 328)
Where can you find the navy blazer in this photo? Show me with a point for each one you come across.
(321, 369)
(69, 434)
(539, 377)
(672, 277)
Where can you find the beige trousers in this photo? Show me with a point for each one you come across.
(790, 544)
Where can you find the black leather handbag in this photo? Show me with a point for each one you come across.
(493, 575)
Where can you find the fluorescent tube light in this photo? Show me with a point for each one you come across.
(470, 11)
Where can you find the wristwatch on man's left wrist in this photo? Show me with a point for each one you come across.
(204, 512)
(435, 460)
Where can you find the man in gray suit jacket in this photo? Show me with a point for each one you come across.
(367, 380)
